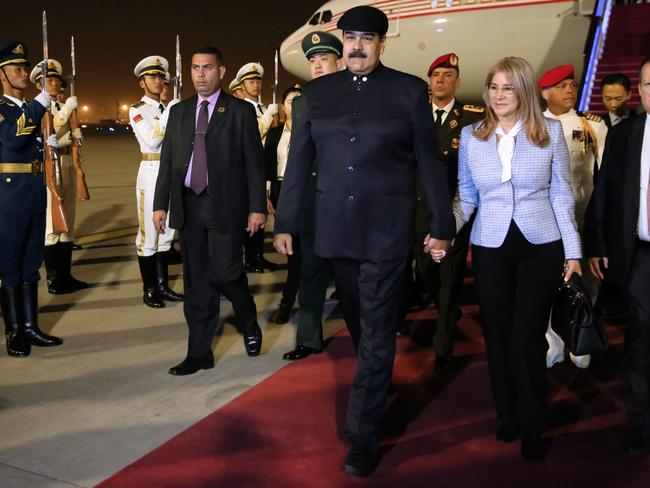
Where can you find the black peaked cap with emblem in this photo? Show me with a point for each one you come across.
(364, 18)
(14, 53)
(321, 42)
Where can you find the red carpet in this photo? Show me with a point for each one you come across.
(286, 431)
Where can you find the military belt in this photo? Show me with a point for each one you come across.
(35, 167)
(151, 156)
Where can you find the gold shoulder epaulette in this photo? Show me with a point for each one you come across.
(139, 104)
(473, 108)
(594, 117)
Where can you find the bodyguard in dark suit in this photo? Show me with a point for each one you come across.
(23, 202)
(211, 180)
(368, 130)
(445, 280)
(617, 235)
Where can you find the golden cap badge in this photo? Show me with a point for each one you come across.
(453, 124)
(156, 62)
(19, 49)
(453, 60)
(315, 39)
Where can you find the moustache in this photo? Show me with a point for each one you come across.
(358, 54)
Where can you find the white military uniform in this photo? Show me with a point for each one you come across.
(148, 118)
(264, 116)
(585, 137)
(61, 113)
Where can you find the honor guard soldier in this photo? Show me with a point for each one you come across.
(236, 90)
(148, 119)
(23, 202)
(250, 76)
(58, 245)
(445, 280)
(167, 94)
(585, 136)
(323, 52)
(368, 148)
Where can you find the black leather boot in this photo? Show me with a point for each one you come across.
(30, 316)
(173, 256)
(65, 258)
(55, 284)
(150, 297)
(162, 275)
(17, 345)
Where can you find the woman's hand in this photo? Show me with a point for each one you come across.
(571, 266)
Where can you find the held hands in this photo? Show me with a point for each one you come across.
(44, 99)
(159, 219)
(283, 243)
(594, 267)
(436, 247)
(255, 222)
(571, 266)
(52, 141)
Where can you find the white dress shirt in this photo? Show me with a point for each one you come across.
(644, 232)
(447, 108)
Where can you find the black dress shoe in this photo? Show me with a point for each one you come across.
(442, 363)
(637, 443)
(253, 267)
(283, 315)
(191, 366)
(361, 461)
(253, 342)
(169, 295)
(266, 264)
(58, 287)
(508, 431)
(300, 352)
(534, 447)
(74, 284)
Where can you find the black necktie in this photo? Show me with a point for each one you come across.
(58, 107)
(161, 107)
(199, 177)
(24, 105)
(259, 107)
(438, 123)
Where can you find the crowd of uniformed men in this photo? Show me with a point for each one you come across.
(28, 237)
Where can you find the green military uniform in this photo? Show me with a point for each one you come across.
(445, 279)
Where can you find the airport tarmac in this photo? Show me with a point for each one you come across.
(73, 415)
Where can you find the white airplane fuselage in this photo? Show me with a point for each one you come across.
(544, 32)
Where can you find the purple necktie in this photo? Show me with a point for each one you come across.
(199, 177)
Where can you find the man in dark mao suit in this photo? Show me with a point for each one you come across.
(212, 181)
(368, 131)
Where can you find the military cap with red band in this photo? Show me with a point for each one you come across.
(555, 75)
(449, 60)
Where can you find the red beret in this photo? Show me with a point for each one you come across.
(553, 76)
(449, 60)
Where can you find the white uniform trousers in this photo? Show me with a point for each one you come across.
(69, 194)
(148, 241)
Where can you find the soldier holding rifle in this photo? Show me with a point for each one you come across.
(23, 202)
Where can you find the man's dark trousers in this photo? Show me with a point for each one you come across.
(201, 244)
(370, 293)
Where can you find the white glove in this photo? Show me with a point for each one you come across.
(272, 109)
(44, 99)
(77, 134)
(52, 142)
(71, 103)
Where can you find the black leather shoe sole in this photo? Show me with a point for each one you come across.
(190, 367)
(170, 296)
(42, 340)
(299, 352)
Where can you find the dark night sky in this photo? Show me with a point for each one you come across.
(111, 37)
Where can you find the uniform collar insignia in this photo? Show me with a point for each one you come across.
(19, 49)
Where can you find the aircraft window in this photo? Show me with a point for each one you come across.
(314, 19)
(327, 17)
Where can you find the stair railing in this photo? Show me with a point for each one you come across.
(594, 50)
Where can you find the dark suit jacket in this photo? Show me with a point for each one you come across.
(236, 171)
(449, 142)
(367, 138)
(271, 152)
(613, 212)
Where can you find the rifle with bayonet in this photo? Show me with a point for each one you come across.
(51, 161)
(82, 187)
(178, 78)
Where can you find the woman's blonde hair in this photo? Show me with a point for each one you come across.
(520, 74)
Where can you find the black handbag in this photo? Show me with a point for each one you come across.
(574, 320)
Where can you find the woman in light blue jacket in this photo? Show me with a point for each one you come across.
(513, 168)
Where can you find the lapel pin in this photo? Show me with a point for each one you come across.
(221, 109)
